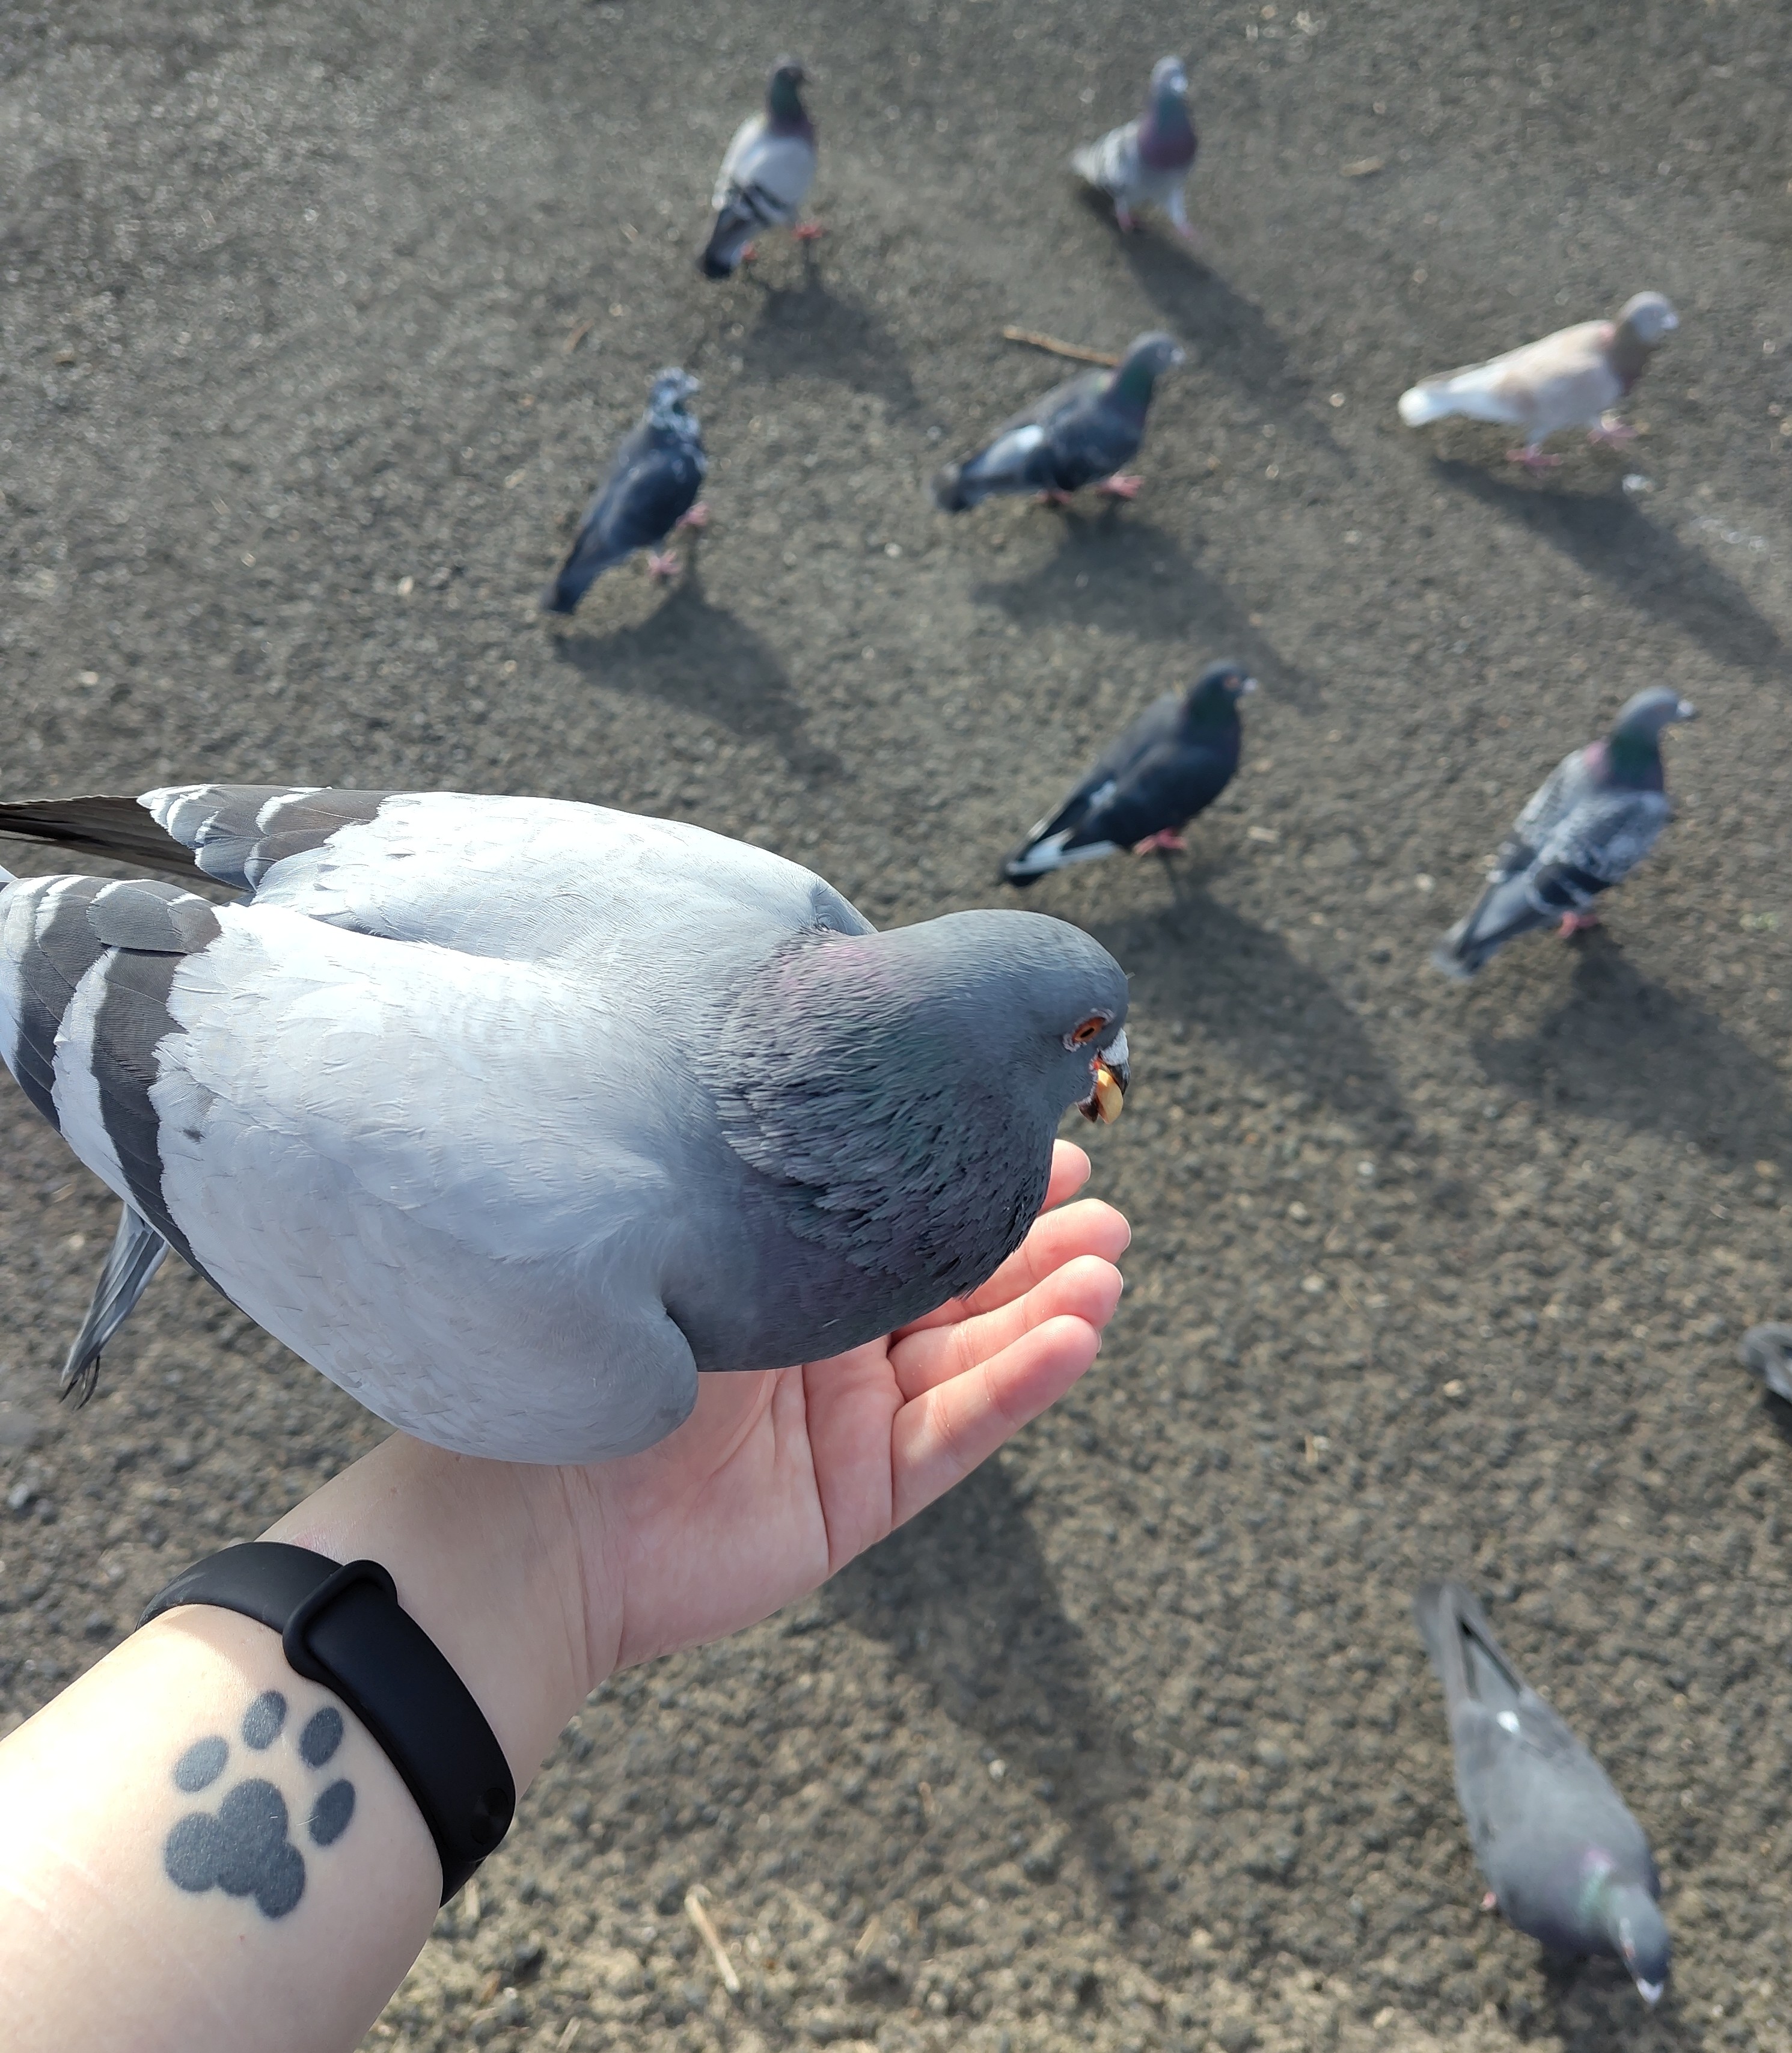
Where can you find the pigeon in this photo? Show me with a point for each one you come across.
(765, 176)
(1570, 379)
(1082, 431)
(1767, 1352)
(1594, 818)
(1172, 763)
(512, 1114)
(1146, 163)
(1563, 1857)
(652, 488)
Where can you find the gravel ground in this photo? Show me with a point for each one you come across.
(1130, 1744)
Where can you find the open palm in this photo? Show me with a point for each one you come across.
(779, 1478)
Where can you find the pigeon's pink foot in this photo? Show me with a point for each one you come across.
(1164, 841)
(1532, 459)
(1123, 219)
(697, 517)
(1053, 498)
(809, 231)
(664, 566)
(1610, 433)
(750, 253)
(1577, 923)
(1119, 486)
(1490, 1902)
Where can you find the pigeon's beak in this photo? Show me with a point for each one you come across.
(1649, 1992)
(1686, 710)
(1112, 1071)
(1244, 685)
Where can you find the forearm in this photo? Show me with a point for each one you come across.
(151, 1893)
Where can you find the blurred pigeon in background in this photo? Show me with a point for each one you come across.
(1172, 763)
(1146, 161)
(512, 1114)
(1766, 1352)
(1594, 819)
(1080, 432)
(1564, 1859)
(1567, 380)
(651, 489)
(765, 176)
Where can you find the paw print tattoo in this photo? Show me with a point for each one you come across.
(243, 1847)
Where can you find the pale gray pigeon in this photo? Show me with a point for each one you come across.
(1570, 379)
(765, 174)
(1146, 161)
(1766, 1352)
(512, 1114)
(1597, 815)
(1080, 433)
(1564, 1859)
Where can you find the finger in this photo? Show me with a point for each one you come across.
(1086, 1288)
(939, 1438)
(1087, 1227)
(1070, 1172)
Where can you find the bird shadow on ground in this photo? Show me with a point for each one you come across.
(965, 1598)
(1125, 575)
(1238, 985)
(1624, 1047)
(703, 660)
(810, 331)
(1658, 574)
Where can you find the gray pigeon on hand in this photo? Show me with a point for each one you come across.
(1570, 379)
(766, 175)
(1563, 1857)
(1082, 432)
(512, 1116)
(1766, 1352)
(1146, 161)
(1598, 814)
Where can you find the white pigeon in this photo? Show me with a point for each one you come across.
(765, 176)
(1570, 379)
(1146, 161)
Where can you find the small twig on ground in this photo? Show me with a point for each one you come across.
(569, 2038)
(712, 1939)
(577, 336)
(1364, 167)
(1054, 347)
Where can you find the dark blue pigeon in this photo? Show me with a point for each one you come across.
(1563, 1857)
(1081, 432)
(652, 488)
(1172, 763)
(1598, 814)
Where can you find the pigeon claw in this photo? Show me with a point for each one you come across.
(1611, 434)
(695, 516)
(1052, 497)
(1490, 1902)
(1577, 923)
(1533, 459)
(1164, 841)
(1119, 486)
(663, 564)
(809, 231)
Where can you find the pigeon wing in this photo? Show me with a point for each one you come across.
(1597, 846)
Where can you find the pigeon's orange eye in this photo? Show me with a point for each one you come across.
(1087, 1030)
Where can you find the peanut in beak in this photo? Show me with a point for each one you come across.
(1109, 1097)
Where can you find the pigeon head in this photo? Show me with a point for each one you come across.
(1649, 316)
(1214, 695)
(666, 399)
(1147, 359)
(1169, 81)
(1637, 728)
(783, 98)
(1639, 1934)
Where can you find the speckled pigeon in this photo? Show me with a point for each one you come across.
(1598, 814)
(1146, 161)
(1080, 432)
(1766, 1352)
(1569, 379)
(1172, 763)
(512, 1114)
(765, 176)
(652, 488)
(1563, 1857)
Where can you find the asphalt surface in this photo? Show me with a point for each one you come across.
(1129, 1743)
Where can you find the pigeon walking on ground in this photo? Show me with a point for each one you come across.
(1563, 1857)
(1080, 433)
(1146, 161)
(765, 176)
(1172, 763)
(512, 1114)
(1766, 1352)
(652, 490)
(1570, 379)
(1594, 820)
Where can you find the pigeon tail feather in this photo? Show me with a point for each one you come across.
(1466, 392)
(735, 226)
(952, 491)
(1504, 911)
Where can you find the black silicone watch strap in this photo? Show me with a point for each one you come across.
(343, 1627)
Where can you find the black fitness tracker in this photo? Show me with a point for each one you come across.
(343, 1627)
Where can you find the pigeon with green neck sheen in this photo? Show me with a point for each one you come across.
(1146, 161)
(765, 174)
(1586, 827)
(1563, 1857)
(1082, 432)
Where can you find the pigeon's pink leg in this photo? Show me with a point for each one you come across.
(1120, 486)
(697, 517)
(1490, 1902)
(1611, 434)
(1532, 459)
(750, 253)
(665, 565)
(1577, 923)
(1123, 219)
(807, 231)
(1054, 498)
(1164, 841)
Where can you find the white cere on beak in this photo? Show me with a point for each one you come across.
(1649, 1992)
(1116, 1054)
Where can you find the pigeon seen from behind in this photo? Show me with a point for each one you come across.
(1083, 432)
(1172, 763)
(1563, 1857)
(511, 1116)
(765, 176)
(1594, 820)
(1570, 379)
(1146, 161)
(651, 489)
